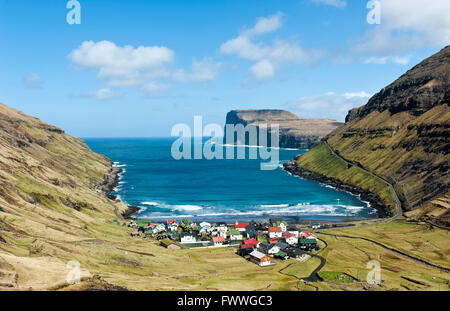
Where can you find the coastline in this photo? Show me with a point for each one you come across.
(110, 182)
(373, 199)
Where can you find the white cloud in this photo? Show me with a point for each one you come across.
(102, 94)
(335, 3)
(201, 71)
(33, 81)
(330, 105)
(268, 56)
(148, 67)
(263, 70)
(123, 66)
(265, 25)
(406, 25)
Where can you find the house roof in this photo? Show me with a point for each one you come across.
(307, 241)
(288, 235)
(247, 246)
(218, 239)
(281, 254)
(171, 221)
(234, 232)
(306, 234)
(258, 254)
(282, 245)
(274, 229)
(251, 241)
(241, 225)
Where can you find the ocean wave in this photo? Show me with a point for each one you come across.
(149, 203)
(301, 209)
(275, 205)
(187, 207)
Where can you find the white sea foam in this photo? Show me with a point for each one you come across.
(275, 205)
(187, 207)
(149, 203)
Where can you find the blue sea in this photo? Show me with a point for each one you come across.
(219, 190)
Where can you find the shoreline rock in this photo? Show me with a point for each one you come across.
(111, 181)
(374, 200)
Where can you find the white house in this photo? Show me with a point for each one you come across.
(290, 238)
(282, 224)
(294, 232)
(218, 240)
(275, 232)
(273, 249)
(261, 259)
(204, 224)
(235, 235)
(188, 238)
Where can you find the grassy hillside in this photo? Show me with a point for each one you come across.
(401, 135)
(320, 160)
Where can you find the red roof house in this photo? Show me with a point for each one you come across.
(218, 239)
(170, 221)
(241, 225)
(274, 229)
(251, 241)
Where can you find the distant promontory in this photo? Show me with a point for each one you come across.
(295, 132)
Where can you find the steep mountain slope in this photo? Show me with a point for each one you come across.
(295, 132)
(48, 198)
(402, 134)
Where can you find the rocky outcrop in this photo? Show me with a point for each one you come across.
(294, 132)
(420, 89)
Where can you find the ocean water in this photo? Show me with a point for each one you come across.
(224, 190)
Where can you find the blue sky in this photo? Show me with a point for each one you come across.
(135, 68)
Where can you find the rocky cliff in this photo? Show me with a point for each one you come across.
(402, 134)
(295, 132)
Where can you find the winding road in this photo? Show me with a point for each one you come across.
(398, 212)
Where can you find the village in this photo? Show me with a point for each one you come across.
(261, 242)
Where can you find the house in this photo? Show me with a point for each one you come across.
(251, 234)
(308, 244)
(235, 235)
(254, 242)
(293, 231)
(187, 237)
(205, 228)
(273, 241)
(204, 224)
(290, 238)
(261, 259)
(172, 227)
(282, 255)
(264, 247)
(296, 253)
(282, 245)
(171, 221)
(246, 246)
(159, 228)
(307, 235)
(222, 226)
(282, 224)
(273, 249)
(218, 240)
(170, 244)
(245, 252)
(240, 226)
(135, 233)
(275, 232)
